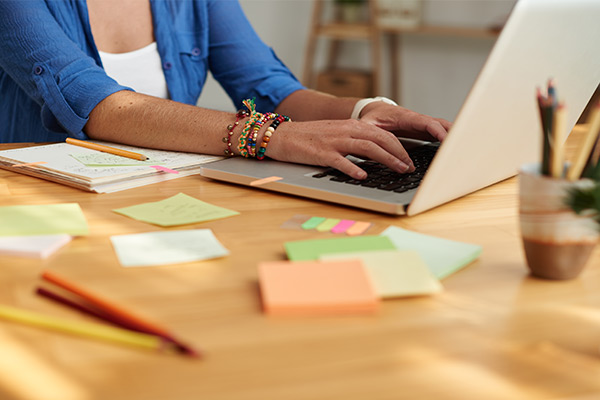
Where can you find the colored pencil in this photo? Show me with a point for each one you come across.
(107, 149)
(114, 312)
(558, 138)
(546, 116)
(586, 147)
(95, 331)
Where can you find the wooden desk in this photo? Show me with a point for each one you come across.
(494, 333)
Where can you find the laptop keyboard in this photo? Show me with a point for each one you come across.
(382, 178)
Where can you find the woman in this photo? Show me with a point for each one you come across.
(131, 71)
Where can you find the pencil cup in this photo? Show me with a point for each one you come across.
(557, 242)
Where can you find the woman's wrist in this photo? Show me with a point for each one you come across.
(362, 103)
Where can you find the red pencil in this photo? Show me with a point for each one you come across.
(109, 311)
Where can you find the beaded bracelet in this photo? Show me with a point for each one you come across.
(227, 139)
(254, 117)
(245, 136)
(251, 144)
(260, 155)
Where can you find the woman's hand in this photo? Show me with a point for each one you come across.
(327, 143)
(405, 123)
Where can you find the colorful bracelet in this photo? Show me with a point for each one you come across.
(260, 155)
(251, 144)
(254, 117)
(227, 139)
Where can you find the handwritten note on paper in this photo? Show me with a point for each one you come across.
(58, 158)
(176, 210)
(442, 256)
(394, 273)
(45, 219)
(168, 247)
(99, 159)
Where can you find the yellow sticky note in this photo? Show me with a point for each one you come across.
(176, 210)
(394, 273)
(316, 287)
(45, 219)
(326, 225)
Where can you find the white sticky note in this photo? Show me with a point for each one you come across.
(394, 273)
(167, 247)
(40, 246)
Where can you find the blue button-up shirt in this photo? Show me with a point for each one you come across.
(51, 75)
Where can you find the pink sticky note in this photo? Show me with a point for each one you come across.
(342, 226)
(164, 169)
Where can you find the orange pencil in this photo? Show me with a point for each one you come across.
(115, 311)
(107, 149)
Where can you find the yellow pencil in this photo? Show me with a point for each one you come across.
(95, 331)
(558, 137)
(107, 149)
(584, 151)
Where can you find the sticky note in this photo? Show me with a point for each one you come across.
(315, 287)
(312, 249)
(164, 169)
(442, 256)
(326, 225)
(167, 247)
(176, 210)
(313, 222)
(37, 246)
(394, 273)
(342, 226)
(295, 222)
(266, 180)
(46, 219)
(358, 228)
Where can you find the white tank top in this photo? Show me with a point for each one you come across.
(140, 69)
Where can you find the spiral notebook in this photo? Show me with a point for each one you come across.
(100, 172)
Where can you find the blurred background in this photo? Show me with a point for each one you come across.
(425, 54)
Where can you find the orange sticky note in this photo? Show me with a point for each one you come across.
(263, 181)
(316, 287)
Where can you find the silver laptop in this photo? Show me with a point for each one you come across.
(496, 130)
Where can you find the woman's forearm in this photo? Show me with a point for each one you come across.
(310, 105)
(139, 120)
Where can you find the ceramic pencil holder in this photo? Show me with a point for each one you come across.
(557, 242)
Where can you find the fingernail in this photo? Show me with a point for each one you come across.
(401, 166)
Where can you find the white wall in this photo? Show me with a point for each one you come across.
(436, 72)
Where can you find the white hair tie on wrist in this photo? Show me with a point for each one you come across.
(362, 103)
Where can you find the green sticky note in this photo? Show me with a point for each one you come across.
(313, 222)
(46, 219)
(313, 249)
(327, 224)
(442, 256)
(176, 210)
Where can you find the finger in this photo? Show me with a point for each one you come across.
(386, 143)
(436, 129)
(371, 150)
(346, 166)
